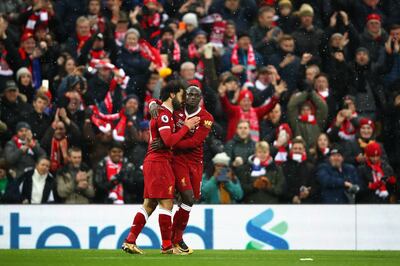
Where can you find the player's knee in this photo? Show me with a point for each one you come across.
(188, 198)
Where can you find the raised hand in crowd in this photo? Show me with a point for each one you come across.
(289, 58)
(305, 58)
(392, 45)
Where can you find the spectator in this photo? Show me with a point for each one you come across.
(242, 60)
(319, 152)
(38, 120)
(339, 181)
(269, 124)
(222, 187)
(381, 185)
(9, 191)
(62, 134)
(393, 45)
(195, 50)
(354, 150)
(24, 80)
(301, 186)
(169, 48)
(265, 183)
(38, 186)
(188, 30)
(240, 148)
(12, 107)
(262, 34)
(82, 34)
(116, 180)
(287, 22)
(140, 149)
(302, 120)
(308, 37)
(230, 37)
(282, 144)
(75, 180)
(286, 62)
(263, 85)
(22, 151)
(245, 111)
(241, 12)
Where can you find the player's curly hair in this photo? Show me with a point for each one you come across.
(173, 86)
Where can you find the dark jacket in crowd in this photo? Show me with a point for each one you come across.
(39, 123)
(49, 190)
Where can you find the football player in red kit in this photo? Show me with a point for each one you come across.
(159, 179)
(187, 162)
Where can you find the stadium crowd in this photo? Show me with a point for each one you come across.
(305, 96)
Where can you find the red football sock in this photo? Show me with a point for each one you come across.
(181, 219)
(164, 220)
(138, 223)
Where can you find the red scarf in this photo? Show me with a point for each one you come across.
(176, 53)
(106, 122)
(231, 42)
(324, 151)
(41, 16)
(281, 155)
(150, 53)
(19, 143)
(251, 116)
(117, 193)
(100, 54)
(108, 102)
(24, 56)
(81, 42)
(5, 69)
(58, 154)
(251, 60)
(195, 56)
(298, 157)
(267, 162)
(309, 119)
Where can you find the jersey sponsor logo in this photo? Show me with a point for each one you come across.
(164, 118)
(208, 123)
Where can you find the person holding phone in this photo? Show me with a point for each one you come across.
(222, 187)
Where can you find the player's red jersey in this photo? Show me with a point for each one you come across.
(163, 128)
(191, 146)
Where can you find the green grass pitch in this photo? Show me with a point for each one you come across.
(58, 257)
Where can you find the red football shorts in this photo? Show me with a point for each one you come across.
(159, 180)
(188, 176)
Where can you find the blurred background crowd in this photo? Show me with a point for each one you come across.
(305, 97)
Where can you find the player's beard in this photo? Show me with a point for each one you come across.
(176, 104)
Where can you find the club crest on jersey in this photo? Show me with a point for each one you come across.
(208, 123)
(164, 118)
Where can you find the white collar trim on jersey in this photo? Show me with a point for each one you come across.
(169, 109)
(191, 115)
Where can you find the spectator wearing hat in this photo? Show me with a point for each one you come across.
(22, 151)
(362, 9)
(38, 186)
(25, 85)
(132, 60)
(222, 187)
(188, 29)
(380, 183)
(75, 180)
(116, 180)
(12, 106)
(339, 181)
(38, 120)
(282, 143)
(240, 11)
(9, 191)
(354, 150)
(299, 172)
(265, 182)
(307, 115)
(262, 33)
(286, 62)
(270, 124)
(287, 22)
(243, 59)
(245, 111)
(374, 37)
(308, 37)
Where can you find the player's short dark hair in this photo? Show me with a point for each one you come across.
(41, 95)
(173, 86)
(322, 75)
(298, 140)
(265, 9)
(285, 37)
(41, 158)
(394, 27)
